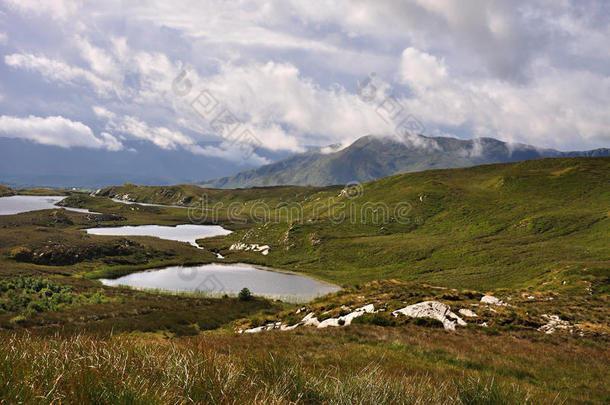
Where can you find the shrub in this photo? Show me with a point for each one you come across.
(19, 319)
(245, 294)
(21, 254)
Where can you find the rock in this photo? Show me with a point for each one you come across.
(346, 320)
(310, 320)
(467, 313)
(432, 309)
(490, 299)
(369, 309)
(329, 322)
(553, 323)
(255, 247)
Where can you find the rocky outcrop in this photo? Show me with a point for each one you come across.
(432, 309)
(553, 323)
(254, 247)
(491, 300)
(346, 320)
(311, 320)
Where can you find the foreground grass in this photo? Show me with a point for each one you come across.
(86, 369)
(361, 365)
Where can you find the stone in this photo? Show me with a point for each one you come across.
(490, 299)
(467, 313)
(432, 309)
(553, 323)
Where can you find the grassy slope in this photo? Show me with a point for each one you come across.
(364, 365)
(495, 226)
(505, 225)
(5, 191)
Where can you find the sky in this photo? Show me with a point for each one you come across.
(241, 80)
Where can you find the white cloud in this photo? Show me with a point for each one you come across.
(59, 71)
(287, 111)
(420, 69)
(547, 111)
(57, 131)
(56, 9)
(161, 136)
(535, 72)
(103, 112)
(3, 38)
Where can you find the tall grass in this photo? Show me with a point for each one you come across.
(128, 370)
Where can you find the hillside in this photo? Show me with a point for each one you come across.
(502, 225)
(372, 157)
(5, 191)
(534, 234)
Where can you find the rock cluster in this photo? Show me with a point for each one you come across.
(254, 247)
(311, 320)
(553, 323)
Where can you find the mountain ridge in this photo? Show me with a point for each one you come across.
(372, 157)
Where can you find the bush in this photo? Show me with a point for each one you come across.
(21, 254)
(19, 319)
(245, 295)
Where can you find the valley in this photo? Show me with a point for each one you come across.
(532, 234)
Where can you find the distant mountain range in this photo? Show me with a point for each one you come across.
(373, 157)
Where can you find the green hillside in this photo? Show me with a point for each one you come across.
(5, 191)
(503, 225)
(534, 234)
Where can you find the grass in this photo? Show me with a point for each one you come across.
(534, 229)
(510, 225)
(354, 365)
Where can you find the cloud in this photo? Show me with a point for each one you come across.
(534, 72)
(546, 111)
(59, 71)
(421, 69)
(56, 131)
(56, 9)
(287, 111)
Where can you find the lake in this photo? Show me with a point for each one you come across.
(182, 233)
(218, 279)
(17, 204)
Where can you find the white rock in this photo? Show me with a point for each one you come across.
(255, 247)
(432, 309)
(490, 299)
(329, 322)
(346, 320)
(369, 309)
(553, 323)
(310, 319)
(467, 313)
(256, 330)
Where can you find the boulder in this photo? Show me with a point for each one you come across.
(432, 309)
(467, 313)
(491, 300)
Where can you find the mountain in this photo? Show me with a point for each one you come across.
(372, 157)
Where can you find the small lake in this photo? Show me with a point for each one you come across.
(17, 204)
(182, 233)
(218, 279)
